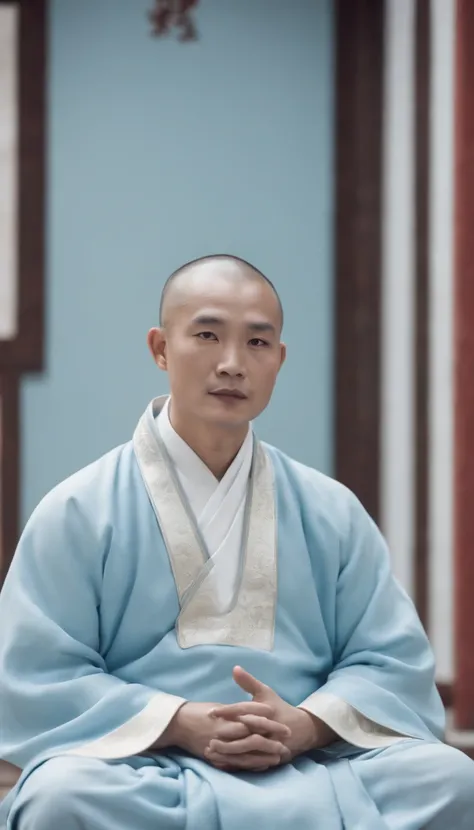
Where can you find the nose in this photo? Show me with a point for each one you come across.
(231, 364)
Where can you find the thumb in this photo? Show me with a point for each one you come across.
(249, 683)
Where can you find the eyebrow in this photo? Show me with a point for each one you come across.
(212, 320)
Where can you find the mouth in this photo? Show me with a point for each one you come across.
(229, 393)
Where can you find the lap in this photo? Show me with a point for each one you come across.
(162, 793)
(73, 792)
(411, 785)
(431, 781)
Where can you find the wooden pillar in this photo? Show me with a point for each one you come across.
(22, 350)
(358, 228)
(9, 469)
(421, 345)
(464, 367)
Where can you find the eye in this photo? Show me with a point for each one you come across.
(206, 335)
(257, 341)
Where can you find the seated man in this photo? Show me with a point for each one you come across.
(199, 633)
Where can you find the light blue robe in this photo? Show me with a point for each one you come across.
(89, 634)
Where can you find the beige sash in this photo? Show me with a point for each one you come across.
(243, 614)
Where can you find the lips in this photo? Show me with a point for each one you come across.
(229, 393)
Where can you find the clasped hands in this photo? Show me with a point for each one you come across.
(253, 735)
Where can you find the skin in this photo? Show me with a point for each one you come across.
(221, 328)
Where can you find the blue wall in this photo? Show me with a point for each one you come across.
(160, 152)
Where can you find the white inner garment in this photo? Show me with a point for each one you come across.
(218, 506)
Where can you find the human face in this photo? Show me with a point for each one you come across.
(222, 350)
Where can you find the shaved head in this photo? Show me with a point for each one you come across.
(187, 278)
(219, 340)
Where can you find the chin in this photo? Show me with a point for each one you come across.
(233, 416)
(230, 420)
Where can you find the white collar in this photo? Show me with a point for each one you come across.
(188, 463)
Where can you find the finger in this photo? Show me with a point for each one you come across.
(286, 755)
(265, 726)
(229, 762)
(249, 683)
(228, 730)
(250, 761)
(253, 743)
(232, 711)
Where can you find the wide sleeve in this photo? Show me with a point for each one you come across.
(56, 695)
(382, 685)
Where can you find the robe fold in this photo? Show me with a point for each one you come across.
(129, 595)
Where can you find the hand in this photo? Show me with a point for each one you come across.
(305, 731)
(195, 726)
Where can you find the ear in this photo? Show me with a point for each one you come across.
(157, 344)
(282, 354)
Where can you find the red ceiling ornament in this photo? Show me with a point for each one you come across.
(174, 14)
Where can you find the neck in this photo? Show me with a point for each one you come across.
(216, 447)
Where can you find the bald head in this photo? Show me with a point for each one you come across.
(189, 277)
(220, 330)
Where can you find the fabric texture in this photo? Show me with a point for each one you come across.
(90, 647)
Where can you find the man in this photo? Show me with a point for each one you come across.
(200, 633)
